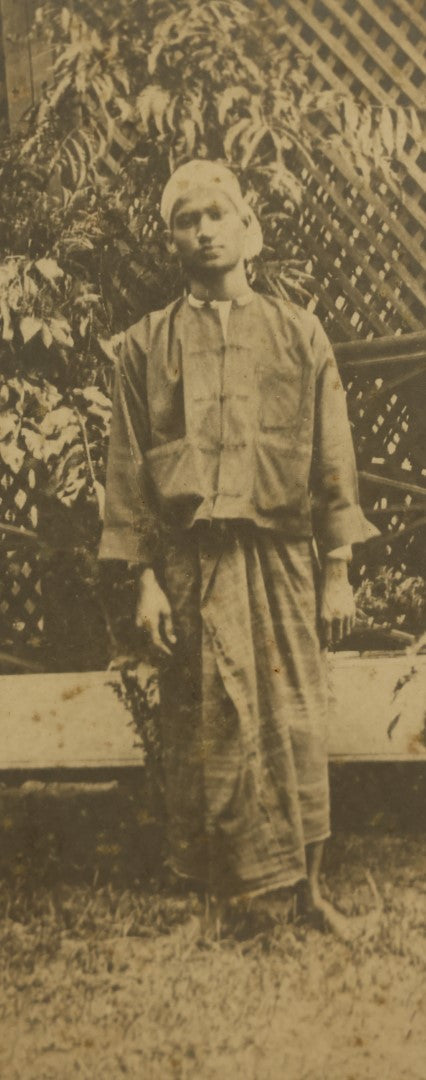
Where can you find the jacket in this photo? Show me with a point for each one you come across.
(250, 427)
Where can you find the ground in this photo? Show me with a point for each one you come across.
(101, 982)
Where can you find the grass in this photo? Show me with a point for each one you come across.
(102, 982)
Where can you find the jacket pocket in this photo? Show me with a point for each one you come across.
(281, 474)
(173, 471)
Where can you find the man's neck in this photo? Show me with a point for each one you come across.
(228, 285)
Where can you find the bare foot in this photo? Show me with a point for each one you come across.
(325, 917)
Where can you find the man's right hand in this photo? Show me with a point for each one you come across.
(153, 613)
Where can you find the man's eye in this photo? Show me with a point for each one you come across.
(215, 214)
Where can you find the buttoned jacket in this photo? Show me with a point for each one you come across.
(253, 427)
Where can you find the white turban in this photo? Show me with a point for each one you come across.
(202, 173)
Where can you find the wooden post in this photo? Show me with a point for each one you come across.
(26, 62)
(17, 58)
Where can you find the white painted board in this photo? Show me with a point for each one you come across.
(77, 721)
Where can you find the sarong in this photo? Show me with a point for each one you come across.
(244, 707)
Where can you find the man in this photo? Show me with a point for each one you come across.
(232, 484)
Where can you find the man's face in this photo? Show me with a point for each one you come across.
(208, 232)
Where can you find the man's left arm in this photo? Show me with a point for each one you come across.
(338, 518)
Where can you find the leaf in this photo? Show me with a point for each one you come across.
(58, 420)
(29, 285)
(65, 19)
(111, 346)
(121, 76)
(391, 179)
(152, 104)
(228, 99)
(54, 447)
(415, 125)
(100, 496)
(97, 408)
(61, 331)
(7, 333)
(49, 269)
(12, 456)
(250, 144)
(29, 327)
(234, 133)
(7, 273)
(189, 131)
(157, 48)
(46, 336)
(364, 136)
(9, 424)
(74, 479)
(126, 109)
(401, 131)
(386, 130)
(94, 396)
(350, 116)
(34, 442)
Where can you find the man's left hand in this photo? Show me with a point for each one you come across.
(337, 602)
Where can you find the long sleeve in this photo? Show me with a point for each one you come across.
(131, 526)
(337, 514)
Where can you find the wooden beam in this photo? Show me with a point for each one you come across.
(399, 485)
(384, 361)
(63, 726)
(389, 346)
(17, 58)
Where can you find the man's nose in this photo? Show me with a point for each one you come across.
(205, 227)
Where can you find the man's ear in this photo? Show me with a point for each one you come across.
(170, 244)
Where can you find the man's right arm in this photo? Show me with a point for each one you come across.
(132, 528)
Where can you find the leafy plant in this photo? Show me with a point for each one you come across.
(393, 600)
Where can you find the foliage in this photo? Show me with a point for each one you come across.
(393, 600)
(139, 86)
(139, 693)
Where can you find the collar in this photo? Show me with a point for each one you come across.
(239, 301)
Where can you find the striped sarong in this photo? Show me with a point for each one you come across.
(244, 705)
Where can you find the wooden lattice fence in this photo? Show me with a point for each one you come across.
(385, 382)
(367, 243)
(21, 603)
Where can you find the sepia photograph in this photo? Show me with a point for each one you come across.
(212, 539)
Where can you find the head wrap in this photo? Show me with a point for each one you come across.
(212, 174)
